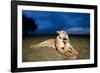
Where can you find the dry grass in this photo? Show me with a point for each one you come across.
(81, 43)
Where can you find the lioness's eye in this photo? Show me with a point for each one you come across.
(65, 39)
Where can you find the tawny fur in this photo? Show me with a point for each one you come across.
(64, 47)
(47, 43)
(61, 43)
(70, 52)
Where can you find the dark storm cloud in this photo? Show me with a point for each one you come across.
(50, 22)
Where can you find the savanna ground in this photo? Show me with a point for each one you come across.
(80, 43)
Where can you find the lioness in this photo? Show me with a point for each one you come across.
(64, 47)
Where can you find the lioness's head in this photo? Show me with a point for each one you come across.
(63, 35)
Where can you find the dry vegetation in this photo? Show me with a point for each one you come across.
(81, 43)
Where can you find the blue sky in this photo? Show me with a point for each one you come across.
(50, 22)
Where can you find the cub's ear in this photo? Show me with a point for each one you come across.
(57, 32)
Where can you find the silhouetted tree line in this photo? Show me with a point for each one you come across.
(28, 25)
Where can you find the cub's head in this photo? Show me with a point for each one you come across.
(71, 53)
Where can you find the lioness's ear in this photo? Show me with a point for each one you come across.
(64, 32)
(57, 32)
